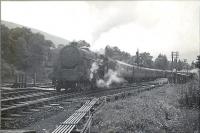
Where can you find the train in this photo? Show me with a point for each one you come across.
(79, 68)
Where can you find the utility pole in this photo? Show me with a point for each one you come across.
(185, 61)
(137, 57)
(174, 65)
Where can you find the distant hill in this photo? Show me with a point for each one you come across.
(56, 40)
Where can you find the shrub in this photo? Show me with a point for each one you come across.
(190, 94)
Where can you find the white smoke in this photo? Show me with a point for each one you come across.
(195, 71)
(93, 70)
(100, 51)
(112, 17)
(109, 78)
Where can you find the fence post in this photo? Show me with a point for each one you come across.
(34, 79)
(20, 80)
(16, 80)
(25, 81)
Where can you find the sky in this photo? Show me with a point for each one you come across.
(150, 26)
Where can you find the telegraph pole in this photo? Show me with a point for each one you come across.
(185, 61)
(137, 57)
(174, 65)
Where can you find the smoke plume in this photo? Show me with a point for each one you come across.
(109, 78)
(100, 51)
(114, 21)
(112, 17)
(196, 72)
(93, 70)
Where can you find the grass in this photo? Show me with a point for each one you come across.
(190, 94)
(155, 111)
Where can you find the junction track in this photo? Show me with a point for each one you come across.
(19, 101)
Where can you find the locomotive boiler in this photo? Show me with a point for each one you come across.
(73, 68)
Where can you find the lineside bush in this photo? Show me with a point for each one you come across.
(190, 94)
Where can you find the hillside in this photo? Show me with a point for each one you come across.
(23, 51)
(56, 40)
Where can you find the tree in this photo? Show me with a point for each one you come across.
(179, 65)
(23, 50)
(145, 60)
(198, 62)
(182, 65)
(81, 43)
(161, 62)
(60, 46)
(193, 65)
(117, 54)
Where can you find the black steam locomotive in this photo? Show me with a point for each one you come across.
(75, 69)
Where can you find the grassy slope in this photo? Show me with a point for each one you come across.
(154, 111)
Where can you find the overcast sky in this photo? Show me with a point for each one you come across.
(155, 27)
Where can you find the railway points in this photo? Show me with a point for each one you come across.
(13, 111)
(74, 119)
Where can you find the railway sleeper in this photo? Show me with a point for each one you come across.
(16, 115)
(22, 111)
(5, 106)
(26, 112)
(7, 119)
(18, 131)
(4, 115)
(34, 110)
(14, 94)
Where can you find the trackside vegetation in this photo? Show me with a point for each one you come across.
(160, 110)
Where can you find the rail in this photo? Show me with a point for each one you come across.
(42, 100)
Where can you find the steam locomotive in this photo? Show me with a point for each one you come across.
(79, 69)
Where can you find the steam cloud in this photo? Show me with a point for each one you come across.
(114, 21)
(101, 51)
(93, 70)
(196, 72)
(115, 17)
(109, 78)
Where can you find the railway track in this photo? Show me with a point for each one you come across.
(10, 105)
(74, 122)
(14, 109)
(16, 102)
(124, 88)
(12, 94)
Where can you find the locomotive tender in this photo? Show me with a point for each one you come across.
(73, 71)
